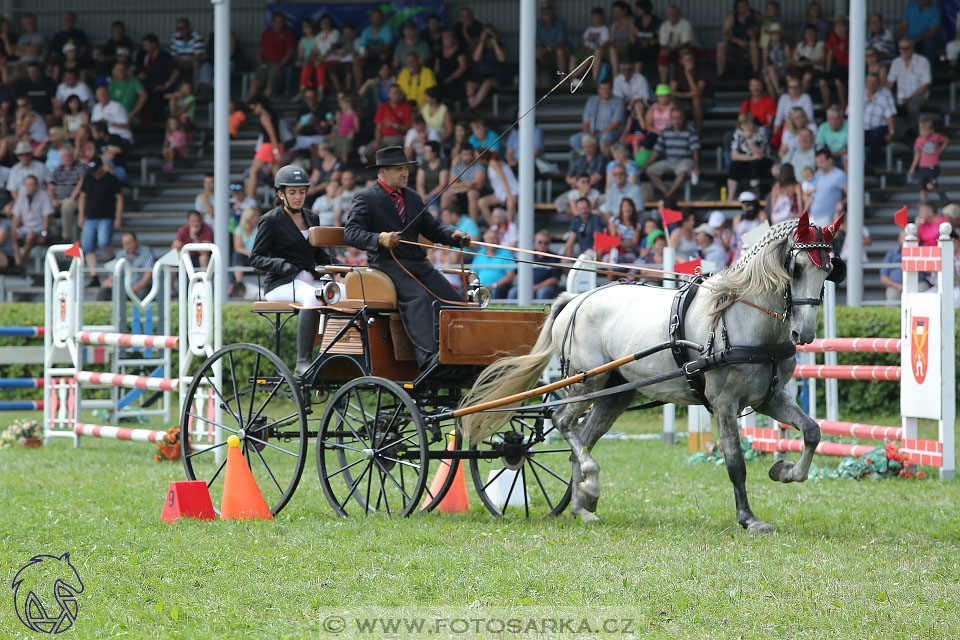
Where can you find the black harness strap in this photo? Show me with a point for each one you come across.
(678, 311)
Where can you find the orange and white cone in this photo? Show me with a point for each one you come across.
(242, 499)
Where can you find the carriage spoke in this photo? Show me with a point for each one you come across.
(216, 424)
(494, 478)
(526, 494)
(402, 462)
(269, 397)
(275, 423)
(394, 480)
(396, 442)
(541, 451)
(506, 502)
(543, 489)
(272, 446)
(219, 469)
(253, 392)
(269, 472)
(206, 449)
(226, 405)
(340, 445)
(563, 480)
(236, 392)
(342, 469)
(366, 503)
(353, 487)
(343, 420)
(383, 487)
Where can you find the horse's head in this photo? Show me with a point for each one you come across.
(810, 263)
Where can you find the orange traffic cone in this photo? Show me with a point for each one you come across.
(456, 498)
(242, 499)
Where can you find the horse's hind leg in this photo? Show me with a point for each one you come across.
(783, 408)
(736, 468)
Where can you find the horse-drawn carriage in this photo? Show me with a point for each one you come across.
(377, 420)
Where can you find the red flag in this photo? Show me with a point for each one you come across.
(691, 267)
(900, 217)
(671, 216)
(603, 242)
(74, 251)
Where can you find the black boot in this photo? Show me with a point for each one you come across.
(308, 324)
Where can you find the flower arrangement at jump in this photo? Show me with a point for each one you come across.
(169, 447)
(884, 461)
(26, 433)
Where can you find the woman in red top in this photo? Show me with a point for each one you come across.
(838, 61)
(760, 105)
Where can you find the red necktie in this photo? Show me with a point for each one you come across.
(398, 203)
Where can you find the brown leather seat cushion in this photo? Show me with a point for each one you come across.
(371, 285)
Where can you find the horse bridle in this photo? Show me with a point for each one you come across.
(836, 272)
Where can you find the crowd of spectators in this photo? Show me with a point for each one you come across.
(71, 109)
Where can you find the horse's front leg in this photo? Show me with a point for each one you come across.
(736, 468)
(783, 408)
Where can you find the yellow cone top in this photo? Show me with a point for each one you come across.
(233, 441)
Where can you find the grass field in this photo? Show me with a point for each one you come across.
(850, 559)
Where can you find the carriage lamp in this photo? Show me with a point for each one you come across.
(328, 292)
(478, 294)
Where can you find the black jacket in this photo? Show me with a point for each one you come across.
(372, 212)
(281, 251)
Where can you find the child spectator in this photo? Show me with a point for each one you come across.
(75, 116)
(928, 225)
(183, 104)
(809, 185)
(620, 158)
(838, 61)
(771, 22)
(927, 149)
(174, 142)
(635, 133)
(776, 59)
(595, 41)
(348, 123)
(307, 55)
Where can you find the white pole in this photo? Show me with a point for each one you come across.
(669, 410)
(830, 358)
(525, 167)
(948, 394)
(221, 137)
(855, 151)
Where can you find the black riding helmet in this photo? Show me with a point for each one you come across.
(291, 176)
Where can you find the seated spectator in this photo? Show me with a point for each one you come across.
(910, 72)
(49, 151)
(625, 226)
(64, 191)
(308, 56)
(461, 137)
(740, 37)
(646, 49)
(921, 25)
(680, 148)
(658, 115)
(373, 46)
(410, 42)
(629, 85)
(595, 42)
(551, 40)
(72, 86)
(776, 56)
(926, 157)
(676, 36)
(310, 127)
(494, 267)
(436, 115)
(26, 165)
(786, 196)
(31, 218)
(113, 113)
(508, 232)
(635, 134)
(127, 90)
(182, 105)
(872, 59)
(38, 90)
(67, 59)
(722, 235)
(392, 121)
(829, 198)
(892, 277)
(750, 217)
(759, 105)
(802, 155)
(344, 200)
(602, 118)
(837, 65)
(589, 162)
(450, 68)
(376, 90)
(70, 34)
(503, 183)
(750, 155)
(238, 202)
(808, 186)
(582, 227)
(433, 174)
(417, 137)
(483, 138)
(323, 56)
(690, 89)
(269, 147)
(623, 34)
(809, 58)
(656, 243)
(567, 200)
(75, 117)
(106, 55)
(770, 23)
(174, 143)
(194, 231)
(796, 123)
(432, 34)
(243, 239)
(880, 39)
(708, 250)
(112, 149)
(141, 260)
(204, 201)
(620, 188)
(928, 225)
(469, 30)
(415, 79)
(157, 72)
(31, 45)
(277, 48)
(340, 73)
(326, 173)
(470, 184)
(489, 56)
(683, 239)
(620, 158)
(452, 217)
(346, 127)
(814, 18)
(99, 212)
(546, 279)
(833, 134)
(84, 145)
(189, 50)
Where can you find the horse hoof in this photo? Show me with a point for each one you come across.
(589, 495)
(780, 471)
(587, 517)
(758, 527)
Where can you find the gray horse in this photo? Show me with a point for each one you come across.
(768, 297)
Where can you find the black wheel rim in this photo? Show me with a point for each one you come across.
(531, 476)
(259, 402)
(372, 450)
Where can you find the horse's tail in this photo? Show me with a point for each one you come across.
(508, 376)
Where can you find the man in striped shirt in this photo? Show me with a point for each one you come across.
(680, 147)
(188, 50)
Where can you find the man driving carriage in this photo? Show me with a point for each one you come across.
(383, 214)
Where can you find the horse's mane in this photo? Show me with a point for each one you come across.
(760, 270)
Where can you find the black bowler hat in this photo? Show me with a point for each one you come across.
(391, 157)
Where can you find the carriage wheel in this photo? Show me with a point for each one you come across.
(372, 449)
(433, 497)
(531, 476)
(258, 401)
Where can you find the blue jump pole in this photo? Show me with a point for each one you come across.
(21, 383)
(21, 405)
(21, 332)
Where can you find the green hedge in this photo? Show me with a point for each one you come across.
(240, 325)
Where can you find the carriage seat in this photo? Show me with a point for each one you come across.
(364, 285)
